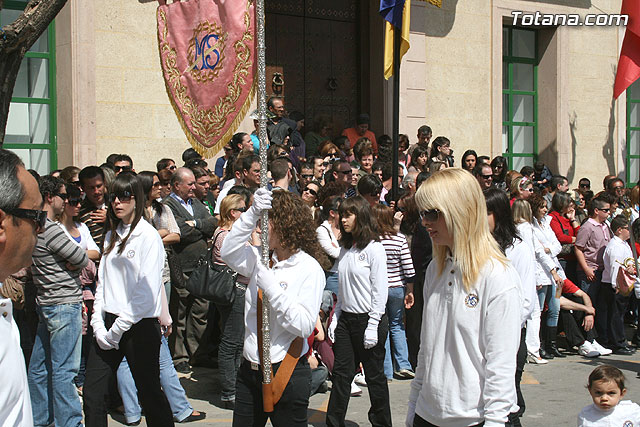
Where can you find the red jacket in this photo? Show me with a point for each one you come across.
(562, 228)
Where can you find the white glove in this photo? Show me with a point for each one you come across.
(101, 339)
(264, 277)
(332, 327)
(262, 199)
(371, 335)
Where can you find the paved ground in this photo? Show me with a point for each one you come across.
(554, 394)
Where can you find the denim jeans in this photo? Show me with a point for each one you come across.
(332, 282)
(231, 344)
(171, 386)
(54, 364)
(395, 311)
(548, 294)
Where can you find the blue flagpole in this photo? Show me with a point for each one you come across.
(397, 39)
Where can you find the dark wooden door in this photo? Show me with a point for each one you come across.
(314, 44)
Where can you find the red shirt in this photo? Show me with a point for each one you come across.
(569, 288)
(560, 223)
(353, 136)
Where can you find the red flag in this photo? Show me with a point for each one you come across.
(629, 62)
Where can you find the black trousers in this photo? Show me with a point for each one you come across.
(613, 308)
(571, 322)
(419, 422)
(349, 352)
(413, 319)
(141, 346)
(521, 359)
(291, 409)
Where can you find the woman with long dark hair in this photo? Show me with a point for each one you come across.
(359, 324)
(294, 287)
(419, 159)
(466, 365)
(127, 307)
(505, 231)
(164, 222)
(328, 233)
(469, 160)
(441, 151)
(499, 168)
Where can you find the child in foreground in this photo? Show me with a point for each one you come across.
(606, 386)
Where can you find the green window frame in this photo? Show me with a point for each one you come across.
(40, 154)
(632, 153)
(519, 96)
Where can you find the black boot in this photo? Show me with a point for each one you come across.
(551, 342)
(543, 343)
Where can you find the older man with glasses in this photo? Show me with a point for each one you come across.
(21, 218)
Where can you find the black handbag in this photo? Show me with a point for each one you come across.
(213, 282)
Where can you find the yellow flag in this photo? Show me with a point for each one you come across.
(404, 45)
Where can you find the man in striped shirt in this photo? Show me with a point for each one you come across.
(55, 359)
(93, 210)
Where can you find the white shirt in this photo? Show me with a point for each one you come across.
(615, 252)
(86, 241)
(466, 364)
(223, 193)
(525, 230)
(362, 280)
(15, 402)
(187, 204)
(544, 233)
(329, 243)
(129, 284)
(294, 293)
(619, 416)
(523, 260)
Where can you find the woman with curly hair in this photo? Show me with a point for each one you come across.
(294, 285)
(359, 326)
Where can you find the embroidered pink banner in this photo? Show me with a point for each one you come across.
(208, 58)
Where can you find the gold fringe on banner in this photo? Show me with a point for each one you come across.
(437, 3)
(216, 115)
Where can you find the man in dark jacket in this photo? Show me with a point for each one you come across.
(196, 226)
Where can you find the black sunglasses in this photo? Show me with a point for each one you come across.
(430, 215)
(74, 202)
(173, 167)
(37, 216)
(305, 176)
(486, 176)
(313, 192)
(122, 168)
(124, 197)
(239, 209)
(63, 196)
(346, 172)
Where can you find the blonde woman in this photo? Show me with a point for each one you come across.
(231, 316)
(471, 293)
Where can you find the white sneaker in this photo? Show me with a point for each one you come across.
(587, 350)
(359, 379)
(600, 349)
(355, 390)
(536, 359)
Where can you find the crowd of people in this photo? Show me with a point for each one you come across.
(468, 273)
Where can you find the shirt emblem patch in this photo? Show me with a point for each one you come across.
(131, 253)
(627, 424)
(471, 300)
(284, 285)
(362, 257)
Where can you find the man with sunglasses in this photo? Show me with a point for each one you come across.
(20, 221)
(342, 173)
(591, 241)
(55, 359)
(306, 175)
(123, 163)
(484, 175)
